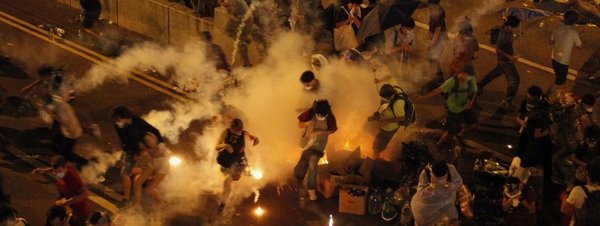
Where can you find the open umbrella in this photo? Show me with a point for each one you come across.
(386, 14)
(523, 14)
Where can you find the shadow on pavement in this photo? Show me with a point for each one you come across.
(17, 107)
(34, 139)
(11, 71)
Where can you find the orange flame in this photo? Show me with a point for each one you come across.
(259, 211)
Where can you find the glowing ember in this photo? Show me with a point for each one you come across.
(175, 161)
(259, 211)
(347, 144)
(330, 220)
(257, 174)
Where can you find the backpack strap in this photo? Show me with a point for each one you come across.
(455, 87)
(399, 96)
(587, 192)
(456, 84)
(587, 195)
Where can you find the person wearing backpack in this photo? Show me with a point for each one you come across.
(460, 91)
(396, 110)
(583, 203)
(506, 62)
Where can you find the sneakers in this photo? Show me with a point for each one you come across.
(312, 195)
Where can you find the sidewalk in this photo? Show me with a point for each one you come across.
(113, 38)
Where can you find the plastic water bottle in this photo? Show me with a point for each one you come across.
(406, 215)
(477, 165)
(375, 202)
(51, 33)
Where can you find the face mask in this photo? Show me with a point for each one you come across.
(59, 175)
(321, 117)
(237, 131)
(120, 124)
(591, 142)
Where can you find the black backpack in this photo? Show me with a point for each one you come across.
(589, 213)
(494, 33)
(410, 115)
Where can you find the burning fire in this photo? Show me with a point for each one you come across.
(175, 161)
(347, 144)
(259, 211)
(330, 220)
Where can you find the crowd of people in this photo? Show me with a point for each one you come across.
(558, 131)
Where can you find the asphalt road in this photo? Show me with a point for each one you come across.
(32, 194)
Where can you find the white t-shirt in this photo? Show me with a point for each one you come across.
(66, 116)
(577, 197)
(394, 38)
(564, 38)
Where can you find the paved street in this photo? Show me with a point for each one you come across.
(25, 144)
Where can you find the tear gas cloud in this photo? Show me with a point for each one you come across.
(93, 173)
(268, 101)
(180, 64)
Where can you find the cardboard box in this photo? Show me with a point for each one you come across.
(327, 188)
(328, 184)
(353, 199)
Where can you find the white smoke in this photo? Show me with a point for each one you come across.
(181, 64)
(475, 14)
(172, 122)
(93, 173)
(268, 101)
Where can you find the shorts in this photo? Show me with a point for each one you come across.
(160, 165)
(382, 139)
(455, 120)
(234, 171)
(128, 164)
(560, 71)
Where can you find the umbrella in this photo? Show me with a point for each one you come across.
(523, 14)
(386, 14)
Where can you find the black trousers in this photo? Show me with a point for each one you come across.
(65, 146)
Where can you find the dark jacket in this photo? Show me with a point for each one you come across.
(131, 135)
(310, 114)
